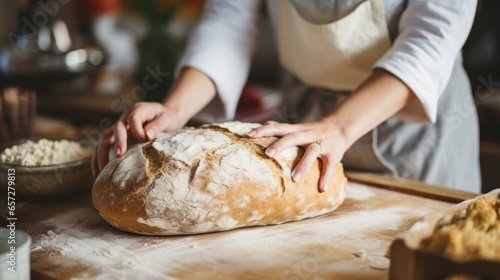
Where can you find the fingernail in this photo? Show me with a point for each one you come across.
(118, 152)
(251, 133)
(151, 134)
(270, 152)
(296, 176)
(325, 187)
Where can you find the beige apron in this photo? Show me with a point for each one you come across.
(336, 56)
(339, 55)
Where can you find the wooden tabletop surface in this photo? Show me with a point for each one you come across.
(70, 240)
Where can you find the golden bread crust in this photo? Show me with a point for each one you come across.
(207, 179)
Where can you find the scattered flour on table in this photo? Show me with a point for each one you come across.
(35, 248)
(81, 235)
(71, 238)
(360, 253)
(359, 192)
(376, 262)
(379, 263)
(126, 256)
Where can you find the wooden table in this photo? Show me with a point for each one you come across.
(70, 240)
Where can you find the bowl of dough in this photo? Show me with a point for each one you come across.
(46, 168)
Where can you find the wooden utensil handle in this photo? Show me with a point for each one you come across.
(412, 187)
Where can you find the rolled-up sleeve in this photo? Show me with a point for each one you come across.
(431, 35)
(221, 47)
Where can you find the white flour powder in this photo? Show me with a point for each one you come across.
(45, 152)
(317, 247)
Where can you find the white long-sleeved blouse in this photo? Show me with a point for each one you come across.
(426, 35)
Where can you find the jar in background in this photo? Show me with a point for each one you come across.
(17, 113)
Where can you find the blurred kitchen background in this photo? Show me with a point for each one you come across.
(87, 59)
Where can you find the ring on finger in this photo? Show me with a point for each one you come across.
(320, 146)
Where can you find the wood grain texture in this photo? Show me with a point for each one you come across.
(85, 246)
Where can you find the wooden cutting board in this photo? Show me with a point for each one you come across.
(70, 240)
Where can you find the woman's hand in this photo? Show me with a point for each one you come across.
(192, 91)
(378, 98)
(321, 139)
(144, 122)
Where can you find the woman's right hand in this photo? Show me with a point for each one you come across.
(144, 122)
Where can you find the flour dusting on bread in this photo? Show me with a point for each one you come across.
(211, 178)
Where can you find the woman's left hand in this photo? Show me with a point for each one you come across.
(321, 139)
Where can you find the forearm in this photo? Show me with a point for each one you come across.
(192, 91)
(381, 96)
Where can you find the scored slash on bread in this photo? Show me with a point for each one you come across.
(206, 179)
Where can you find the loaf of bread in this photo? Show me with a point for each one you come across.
(207, 179)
